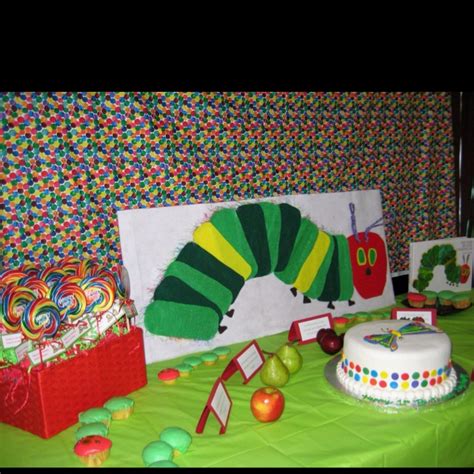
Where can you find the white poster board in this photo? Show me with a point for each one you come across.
(152, 238)
(442, 264)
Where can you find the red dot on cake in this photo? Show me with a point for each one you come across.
(405, 376)
(426, 374)
(357, 368)
(373, 382)
(382, 383)
(433, 382)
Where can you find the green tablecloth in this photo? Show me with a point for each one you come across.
(319, 427)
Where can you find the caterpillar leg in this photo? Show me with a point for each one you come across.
(350, 302)
(230, 313)
(306, 299)
(221, 329)
(294, 291)
(330, 305)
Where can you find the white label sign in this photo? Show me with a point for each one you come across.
(11, 340)
(47, 353)
(220, 404)
(250, 361)
(74, 334)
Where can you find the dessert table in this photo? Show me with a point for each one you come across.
(320, 426)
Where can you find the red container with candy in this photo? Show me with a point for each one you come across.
(49, 398)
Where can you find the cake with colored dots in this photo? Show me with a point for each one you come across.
(396, 362)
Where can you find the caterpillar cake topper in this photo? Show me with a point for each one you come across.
(254, 240)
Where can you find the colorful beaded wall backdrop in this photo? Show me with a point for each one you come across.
(71, 160)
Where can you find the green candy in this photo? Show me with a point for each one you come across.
(163, 464)
(157, 451)
(90, 429)
(177, 438)
(118, 403)
(95, 415)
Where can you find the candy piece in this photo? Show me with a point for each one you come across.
(11, 276)
(163, 463)
(90, 429)
(51, 274)
(184, 369)
(168, 376)
(193, 361)
(94, 415)
(39, 287)
(221, 352)
(69, 265)
(70, 299)
(209, 358)
(93, 450)
(40, 318)
(177, 438)
(99, 294)
(84, 267)
(120, 407)
(30, 269)
(14, 301)
(157, 451)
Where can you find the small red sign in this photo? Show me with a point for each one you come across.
(428, 315)
(248, 362)
(306, 330)
(219, 403)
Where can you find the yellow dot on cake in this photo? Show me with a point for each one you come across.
(365, 379)
(405, 385)
(383, 374)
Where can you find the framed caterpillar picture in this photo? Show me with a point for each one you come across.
(209, 274)
(442, 264)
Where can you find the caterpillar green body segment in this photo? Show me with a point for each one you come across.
(237, 244)
(444, 255)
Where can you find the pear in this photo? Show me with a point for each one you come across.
(274, 372)
(290, 356)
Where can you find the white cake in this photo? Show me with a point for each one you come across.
(397, 362)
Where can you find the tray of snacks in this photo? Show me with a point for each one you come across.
(445, 302)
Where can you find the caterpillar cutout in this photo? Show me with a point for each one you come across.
(254, 240)
(444, 255)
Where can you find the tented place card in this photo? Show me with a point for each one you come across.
(219, 403)
(306, 330)
(248, 362)
(427, 315)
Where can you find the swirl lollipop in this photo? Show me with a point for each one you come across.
(39, 287)
(99, 294)
(76, 279)
(11, 276)
(70, 299)
(14, 300)
(29, 268)
(69, 265)
(102, 272)
(40, 318)
(51, 274)
(85, 266)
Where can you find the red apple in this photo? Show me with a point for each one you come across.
(331, 343)
(267, 404)
(322, 332)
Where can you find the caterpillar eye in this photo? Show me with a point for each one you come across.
(361, 260)
(372, 256)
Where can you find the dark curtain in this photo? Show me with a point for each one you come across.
(463, 133)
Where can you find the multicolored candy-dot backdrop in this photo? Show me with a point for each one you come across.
(71, 160)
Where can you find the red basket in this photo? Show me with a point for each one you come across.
(50, 398)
